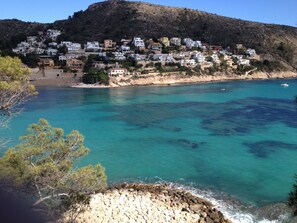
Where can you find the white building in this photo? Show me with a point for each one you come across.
(191, 43)
(24, 48)
(53, 44)
(52, 52)
(32, 39)
(198, 44)
(117, 72)
(119, 56)
(68, 57)
(53, 33)
(188, 42)
(93, 46)
(71, 46)
(138, 57)
(199, 57)
(23, 44)
(215, 58)
(21, 48)
(39, 51)
(251, 52)
(188, 63)
(102, 54)
(74, 47)
(138, 42)
(175, 41)
(167, 58)
(125, 49)
(244, 62)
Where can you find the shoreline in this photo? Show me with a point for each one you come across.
(164, 80)
(169, 203)
(174, 79)
(127, 203)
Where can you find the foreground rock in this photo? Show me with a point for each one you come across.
(131, 203)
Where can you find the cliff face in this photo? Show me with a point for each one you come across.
(118, 19)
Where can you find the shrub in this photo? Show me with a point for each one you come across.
(96, 76)
(292, 201)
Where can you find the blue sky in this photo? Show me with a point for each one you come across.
(268, 11)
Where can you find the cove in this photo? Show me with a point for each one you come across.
(238, 138)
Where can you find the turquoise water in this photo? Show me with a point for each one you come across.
(238, 138)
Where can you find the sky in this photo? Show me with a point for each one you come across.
(268, 11)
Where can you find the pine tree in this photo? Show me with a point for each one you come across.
(44, 165)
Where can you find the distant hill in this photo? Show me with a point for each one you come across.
(13, 30)
(118, 19)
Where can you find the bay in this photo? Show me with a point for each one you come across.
(238, 138)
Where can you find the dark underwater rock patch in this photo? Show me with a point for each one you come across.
(188, 143)
(235, 117)
(242, 116)
(263, 149)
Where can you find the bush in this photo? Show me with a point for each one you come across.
(30, 59)
(144, 72)
(96, 76)
(292, 201)
(266, 65)
(286, 52)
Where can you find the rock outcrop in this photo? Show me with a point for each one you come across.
(181, 78)
(131, 203)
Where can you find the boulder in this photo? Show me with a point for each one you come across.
(196, 208)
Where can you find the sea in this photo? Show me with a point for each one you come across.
(233, 143)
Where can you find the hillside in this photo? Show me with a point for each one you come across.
(118, 19)
(13, 31)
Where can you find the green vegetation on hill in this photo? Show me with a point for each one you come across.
(96, 76)
(93, 75)
(266, 65)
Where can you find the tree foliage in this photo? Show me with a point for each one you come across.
(292, 201)
(14, 84)
(96, 76)
(43, 165)
(30, 59)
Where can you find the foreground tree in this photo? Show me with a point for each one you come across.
(15, 88)
(292, 201)
(43, 165)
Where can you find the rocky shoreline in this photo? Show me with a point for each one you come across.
(172, 79)
(160, 80)
(175, 79)
(131, 203)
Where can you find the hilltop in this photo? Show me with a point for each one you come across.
(118, 19)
